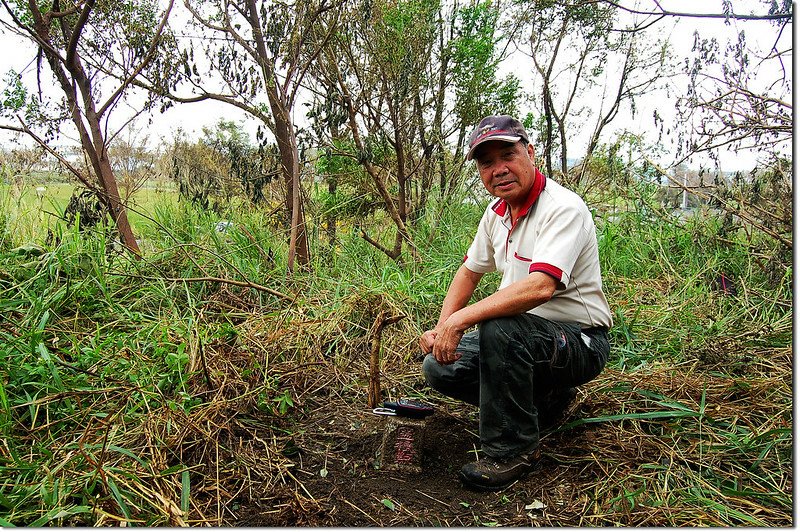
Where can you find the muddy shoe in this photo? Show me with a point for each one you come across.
(489, 474)
(553, 406)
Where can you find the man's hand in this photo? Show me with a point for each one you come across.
(442, 343)
(426, 341)
(443, 339)
(448, 335)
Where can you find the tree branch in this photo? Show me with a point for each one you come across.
(245, 284)
(145, 60)
(77, 30)
(664, 13)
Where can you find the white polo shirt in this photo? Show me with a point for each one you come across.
(555, 234)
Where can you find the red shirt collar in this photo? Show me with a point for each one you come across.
(501, 206)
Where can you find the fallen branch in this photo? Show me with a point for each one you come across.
(246, 284)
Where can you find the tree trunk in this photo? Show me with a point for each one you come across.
(280, 107)
(287, 147)
(117, 209)
(92, 141)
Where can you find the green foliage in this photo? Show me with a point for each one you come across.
(402, 39)
(136, 22)
(116, 33)
(21, 9)
(14, 95)
(388, 503)
(475, 63)
(126, 386)
(339, 161)
(221, 167)
(350, 193)
(17, 101)
(283, 402)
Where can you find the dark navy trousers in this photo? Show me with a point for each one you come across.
(508, 366)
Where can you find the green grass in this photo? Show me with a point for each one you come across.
(120, 383)
(28, 214)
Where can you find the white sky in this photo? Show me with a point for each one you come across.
(19, 55)
(680, 32)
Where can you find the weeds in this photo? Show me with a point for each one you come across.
(129, 395)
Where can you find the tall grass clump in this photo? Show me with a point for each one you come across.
(699, 371)
(6, 232)
(109, 365)
(76, 370)
(680, 292)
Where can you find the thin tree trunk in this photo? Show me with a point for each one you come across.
(92, 141)
(287, 146)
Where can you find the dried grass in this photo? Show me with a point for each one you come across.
(666, 445)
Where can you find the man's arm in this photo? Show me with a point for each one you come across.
(521, 296)
(461, 289)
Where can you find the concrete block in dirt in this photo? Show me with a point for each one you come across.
(402, 444)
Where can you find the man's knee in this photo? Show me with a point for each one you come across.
(432, 371)
(458, 380)
(494, 331)
(495, 335)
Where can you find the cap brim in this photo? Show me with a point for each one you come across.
(512, 139)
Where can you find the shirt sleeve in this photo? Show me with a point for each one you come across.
(559, 242)
(480, 256)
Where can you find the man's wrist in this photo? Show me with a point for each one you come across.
(456, 321)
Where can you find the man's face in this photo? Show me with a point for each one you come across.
(507, 170)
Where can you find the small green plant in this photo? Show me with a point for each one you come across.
(283, 402)
(388, 503)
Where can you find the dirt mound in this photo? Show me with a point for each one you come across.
(627, 446)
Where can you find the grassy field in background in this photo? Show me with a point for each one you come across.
(30, 213)
(173, 389)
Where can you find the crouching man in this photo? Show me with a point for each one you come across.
(543, 332)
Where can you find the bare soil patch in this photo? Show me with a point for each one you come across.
(338, 481)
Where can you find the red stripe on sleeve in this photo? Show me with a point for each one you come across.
(549, 269)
